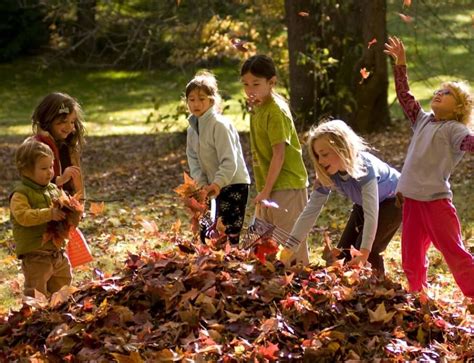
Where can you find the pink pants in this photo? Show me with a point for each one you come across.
(435, 221)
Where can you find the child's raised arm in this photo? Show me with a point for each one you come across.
(410, 105)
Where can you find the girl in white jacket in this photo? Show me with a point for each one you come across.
(215, 155)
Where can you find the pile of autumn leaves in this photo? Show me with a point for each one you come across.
(199, 303)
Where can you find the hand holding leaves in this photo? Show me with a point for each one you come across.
(212, 190)
(359, 258)
(395, 48)
(65, 214)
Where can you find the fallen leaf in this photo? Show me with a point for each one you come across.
(97, 208)
(380, 314)
(269, 351)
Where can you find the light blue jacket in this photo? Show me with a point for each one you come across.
(214, 151)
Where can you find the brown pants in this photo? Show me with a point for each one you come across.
(45, 271)
(390, 218)
(291, 203)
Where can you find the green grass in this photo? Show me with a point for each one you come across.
(439, 45)
(114, 101)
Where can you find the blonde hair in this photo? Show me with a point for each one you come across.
(462, 95)
(205, 81)
(346, 144)
(28, 153)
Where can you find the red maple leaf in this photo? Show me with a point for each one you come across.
(269, 351)
(372, 42)
(266, 247)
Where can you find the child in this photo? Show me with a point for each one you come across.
(280, 174)
(440, 139)
(58, 122)
(215, 155)
(45, 267)
(342, 163)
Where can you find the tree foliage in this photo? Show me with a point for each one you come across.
(22, 30)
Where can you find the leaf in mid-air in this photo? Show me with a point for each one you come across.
(372, 42)
(406, 18)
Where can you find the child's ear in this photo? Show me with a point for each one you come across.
(272, 81)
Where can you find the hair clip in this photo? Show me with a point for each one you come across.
(63, 109)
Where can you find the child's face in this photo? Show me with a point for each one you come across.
(326, 156)
(257, 89)
(444, 104)
(61, 129)
(43, 171)
(198, 102)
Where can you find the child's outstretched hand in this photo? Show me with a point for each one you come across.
(395, 48)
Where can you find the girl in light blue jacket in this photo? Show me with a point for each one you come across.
(215, 155)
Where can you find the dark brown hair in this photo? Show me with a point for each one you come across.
(56, 106)
(259, 65)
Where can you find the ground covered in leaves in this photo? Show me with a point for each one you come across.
(206, 304)
(202, 304)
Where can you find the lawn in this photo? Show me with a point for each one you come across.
(134, 169)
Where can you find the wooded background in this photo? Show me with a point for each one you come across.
(319, 46)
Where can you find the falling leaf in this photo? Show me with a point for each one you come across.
(270, 204)
(364, 73)
(372, 42)
(239, 44)
(406, 3)
(303, 13)
(380, 314)
(406, 18)
(97, 208)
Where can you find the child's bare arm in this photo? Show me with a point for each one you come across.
(27, 216)
(410, 105)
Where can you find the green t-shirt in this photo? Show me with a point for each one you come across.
(271, 124)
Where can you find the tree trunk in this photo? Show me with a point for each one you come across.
(371, 94)
(302, 83)
(328, 87)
